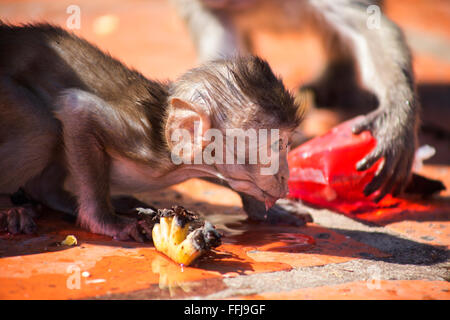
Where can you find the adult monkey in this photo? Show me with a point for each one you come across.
(356, 48)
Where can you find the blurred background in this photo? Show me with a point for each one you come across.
(149, 35)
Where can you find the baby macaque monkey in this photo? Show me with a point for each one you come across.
(362, 45)
(78, 127)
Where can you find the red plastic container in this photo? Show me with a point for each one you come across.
(323, 170)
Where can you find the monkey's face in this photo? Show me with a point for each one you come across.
(244, 95)
(264, 173)
(247, 150)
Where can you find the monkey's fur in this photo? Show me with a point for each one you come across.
(377, 54)
(76, 126)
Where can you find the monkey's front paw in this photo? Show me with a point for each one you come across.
(396, 144)
(18, 219)
(283, 212)
(133, 229)
(288, 212)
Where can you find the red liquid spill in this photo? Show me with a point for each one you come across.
(268, 238)
(288, 242)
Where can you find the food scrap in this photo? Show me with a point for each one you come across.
(181, 234)
(70, 240)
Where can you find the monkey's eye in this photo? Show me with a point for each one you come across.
(277, 146)
(280, 142)
(281, 145)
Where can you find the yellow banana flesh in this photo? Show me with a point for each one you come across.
(172, 237)
(173, 240)
(180, 234)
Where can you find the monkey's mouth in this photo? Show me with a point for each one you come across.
(269, 200)
(250, 188)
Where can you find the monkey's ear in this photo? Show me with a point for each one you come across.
(185, 118)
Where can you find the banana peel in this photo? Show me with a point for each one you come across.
(182, 235)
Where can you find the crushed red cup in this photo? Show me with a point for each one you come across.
(323, 170)
(323, 173)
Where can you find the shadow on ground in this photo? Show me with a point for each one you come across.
(240, 234)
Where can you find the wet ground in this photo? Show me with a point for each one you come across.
(392, 254)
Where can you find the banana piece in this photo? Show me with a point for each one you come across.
(171, 235)
(70, 240)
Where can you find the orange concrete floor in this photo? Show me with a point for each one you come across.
(404, 255)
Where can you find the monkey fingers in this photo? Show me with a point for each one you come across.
(288, 212)
(385, 177)
(384, 172)
(369, 123)
(283, 212)
(385, 184)
(404, 176)
(396, 148)
(18, 220)
(130, 231)
(396, 180)
(134, 229)
(366, 122)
